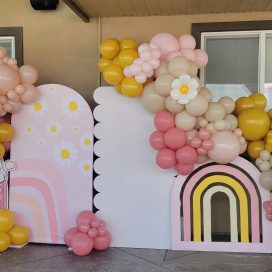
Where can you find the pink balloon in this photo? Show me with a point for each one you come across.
(143, 47)
(175, 138)
(186, 155)
(243, 148)
(146, 67)
(95, 223)
(135, 69)
(82, 244)
(201, 158)
(69, 234)
(16, 106)
(101, 231)
(238, 132)
(187, 41)
(85, 217)
(3, 99)
(191, 134)
(204, 134)
(156, 140)
(166, 158)
(13, 96)
(3, 52)
(155, 63)
(140, 78)
(102, 242)
(93, 232)
(20, 89)
(145, 55)
(84, 227)
(172, 55)
(184, 169)
(150, 74)
(207, 144)
(188, 54)
(268, 217)
(195, 142)
(201, 58)
(30, 95)
(156, 53)
(166, 42)
(28, 74)
(164, 120)
(7, 107)
(138, 61)
(128, 72)
(201, 151)
(267, 204)
(226, 147)
(9, 79)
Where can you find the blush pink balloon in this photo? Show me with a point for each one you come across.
(93, 232)
(143, 47)
(207, 144)
(128, 72)
(166, 42)
(3, 52)
(243, 148)
(7, 107)
(156, 53)
(204, 134)
(85, 217)
(30, 95)
(172, 55)
(155, 63)
(201, 58)
(16, 106)
(69, 234)
(102, 242)
(164, 120)
(145, 55)
(9, 79)
(187, 41)
(166, 158)
(95, 223)
(20, 89)
(184, 169)
(13, 96)
(150, 73)
(201, 158)
(84, 227)
(191, 134)
(201, 151)
(156, 140)
(195, 142)
(147, 67)
(28, 74)
(186, 155)
(188, 54)
(140, 78)
(175, 138)
(135, 69)
(82, 244)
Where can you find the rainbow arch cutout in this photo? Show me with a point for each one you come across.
(191, 208)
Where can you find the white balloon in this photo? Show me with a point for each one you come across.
(265, 155)
(265, 166)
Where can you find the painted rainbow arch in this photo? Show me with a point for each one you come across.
(191, 208)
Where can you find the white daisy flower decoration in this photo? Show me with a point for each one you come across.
(85, 167)
(76, 129)
(86, 142)
(53, 128)
(184, 89)
(39, 108)
(65, 153)
(71, 106)
(29, 129)
(41, 142)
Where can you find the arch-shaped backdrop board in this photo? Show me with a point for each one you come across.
(191, 208)
(53, 150)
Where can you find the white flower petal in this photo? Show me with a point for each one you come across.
(192, 94)
(183, 99)
(175, 94)
(184, 77)
(175, 84)
(194, 83)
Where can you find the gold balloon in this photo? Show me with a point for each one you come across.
(268, 147)
(19, 235)
(127, 56)
(113, 74)
(2, 151)
(6, 220)
(115, 61)
(4, 241)
(254, 123)
(103, 63)
(6, 132)
(254, 148)
(131, 88)
(128, 43)
(242, 104)
(259, 100)
(109, 48)
(270, 113)
(118, 88)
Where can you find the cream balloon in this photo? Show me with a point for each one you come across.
(193, 69)
(219, 124)
(215, 112)
(266, 179)
(228, 103)
(232, 120)
(163, 84)
(152, 101)
(178, 66)
(197, 106)
(185, 121)
(163, 69)
(264, 166)
(173, 106)
(206, 93)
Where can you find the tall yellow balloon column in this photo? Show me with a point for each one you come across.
(115, 56)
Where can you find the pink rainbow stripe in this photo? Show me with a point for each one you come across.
(47, 195)
(240, 176)
(57, 183)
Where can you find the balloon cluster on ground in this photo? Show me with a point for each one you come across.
(11, 234)
(16, 84)
(90, 233)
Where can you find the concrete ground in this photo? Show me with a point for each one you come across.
(36, 257)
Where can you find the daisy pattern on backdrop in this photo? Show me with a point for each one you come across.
(85, 167)
(86, 142)
(76, 129)
(41, 142)
(65, 153)
(71, 106)
(184, 89)
(53, 128)
(39, 108)
(29, 129)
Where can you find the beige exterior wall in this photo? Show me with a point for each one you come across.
(64, 49)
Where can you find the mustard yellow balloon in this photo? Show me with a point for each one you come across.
(115, 61)
(2, 151)
(131, 88)
(6, 220)
(242, 104)
(103, 63)
(127, 56)
(268, 147)
(6, 132)
(113, 74)
(19, 235)
(269, 134)
(254, 148)
(254, 123)
(259, 100)
(118, 88)
(4, 241)
(128, 43)
(109, 48)
(270, 113)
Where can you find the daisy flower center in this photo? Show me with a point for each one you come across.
(86, 167)
(73, 106)
(38, 106)
(54, 129)
(184, 89)
(87, 142)
(65, 154)
(29, 129)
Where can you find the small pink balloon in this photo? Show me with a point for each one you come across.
(28, 74)
(188, 54)
(156, 140)
(82, 244)
(20, 89)
(155, 63)
(135, 69)
(175, 138)
(69, 234)
(201, 58)
(145, 55)
(9, 79)
(147, 67)
(7, 107)
(127, 72)
(13, 96)
(93, 232)
(155, 53)
(172, 55)
(150, 74)
(242, 140)
(201, 151)
(95, 223)
(102, 242)
(268, 217)
(238, 132)
(187, 41)
(164, 120)
(267, 204)
(201, 158)
(12, 61)
(85, 217)
(191, 134)
(195, 142)
(143, 47)
(3, 99)
(207, 144)
(30, 95)
(204, 134)
(84, 227)
(3, 52)
(186, 155)
(138, 61)
(101, 231)
(183, 169)
(140, 78)
(153, 46)
(166, 158)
